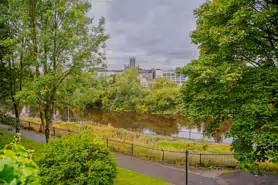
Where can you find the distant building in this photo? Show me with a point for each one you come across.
(147, 75)
(106, 73)
(131, 63)
(170, 75)
(174, 76)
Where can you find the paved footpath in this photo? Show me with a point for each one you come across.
(173, 175)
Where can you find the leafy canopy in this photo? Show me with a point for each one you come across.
(235, 77)
(124, 92)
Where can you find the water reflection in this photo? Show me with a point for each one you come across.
(177, 126)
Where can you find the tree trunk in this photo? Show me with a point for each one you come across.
(12, 93)
(42, 118)
(48, 114)
(17, 126)
(48, 123)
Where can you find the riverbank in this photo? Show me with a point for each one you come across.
(165, 150)
(171, 126)
(161, 149)
(119, 134)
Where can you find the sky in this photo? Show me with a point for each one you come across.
(155, 32)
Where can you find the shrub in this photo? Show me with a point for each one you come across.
(77, 159)
(17, 167)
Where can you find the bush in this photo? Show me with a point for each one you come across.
(16, 166)
(77, 159)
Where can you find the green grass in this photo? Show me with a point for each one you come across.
(197, 147)
(125, 177)
(6, 138)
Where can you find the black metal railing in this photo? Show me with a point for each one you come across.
(154, 154)
(180, 134)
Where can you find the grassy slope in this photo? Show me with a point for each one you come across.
(164, 143)
(125, 177)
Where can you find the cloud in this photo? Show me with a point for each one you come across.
(156, 32)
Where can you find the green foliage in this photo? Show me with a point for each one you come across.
(124, 177)
(7, 119)
(235, 77)
(77, 159)
(17, 167)
(124, 93)
(61, 45)
(77, 91)
(163, 100)
(127, 94)
(14, 66)
(4, 82)
(161, 83)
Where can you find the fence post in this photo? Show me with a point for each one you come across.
(107, 142)
(162, 155)
(41, 128)
(200, 159)
(53, 128)
(29, 125)
(164, 132)
(132, 149)
(186, 167)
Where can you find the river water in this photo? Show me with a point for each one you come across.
(174, 126)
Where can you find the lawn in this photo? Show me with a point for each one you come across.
(6, 138)
(125, 177)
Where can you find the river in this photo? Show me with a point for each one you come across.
(174, 126)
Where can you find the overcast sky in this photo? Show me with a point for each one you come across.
(155, 32)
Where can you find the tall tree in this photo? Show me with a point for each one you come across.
(14, 65)
(235, 77)
(64, 44)
(3, 51)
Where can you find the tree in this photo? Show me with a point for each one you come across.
(64, 44)
(162, 97)
(124, 94)
(161, 83)
(15, 66)
(235, 77)
(3, 51)
(100, 89)
(77, 91)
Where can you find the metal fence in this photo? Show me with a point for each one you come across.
(153, 154)
(180, 134)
